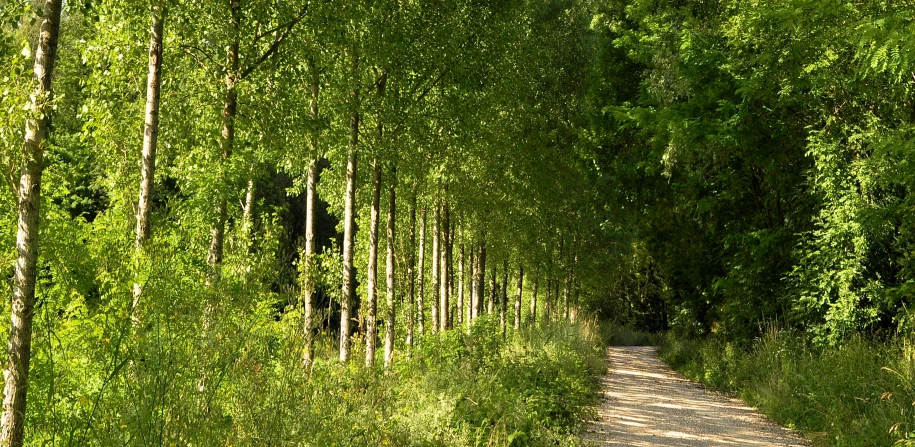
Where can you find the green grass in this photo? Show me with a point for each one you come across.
(616, 335)
(247, 388)
(858, 394)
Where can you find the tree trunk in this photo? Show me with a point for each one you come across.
(533, 318)
(481, 277)
(452, 284)
(460, 287)
(503, 302)
(473, 300)
(493, 289)
(226, 141)
(517, 322)
(308, 277)
(565, 296)
(436, 274)
(247, 214)
(150, 139)
(445, 279)
(420, 308)
(308, 286)
(411, 270)
(349, 227)
(389, 270)
(371, 317)
(546, 301)
(151, 126)
(16, 374)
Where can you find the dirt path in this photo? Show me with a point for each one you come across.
(646, 404)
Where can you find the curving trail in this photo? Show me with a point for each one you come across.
(647, 404)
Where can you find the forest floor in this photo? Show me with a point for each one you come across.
(646, 404)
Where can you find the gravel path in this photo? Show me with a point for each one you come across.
(646, 404)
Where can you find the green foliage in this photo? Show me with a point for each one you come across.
(858, 394)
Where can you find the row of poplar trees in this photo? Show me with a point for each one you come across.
(463, 107)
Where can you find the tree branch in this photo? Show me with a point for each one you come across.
(287, 29)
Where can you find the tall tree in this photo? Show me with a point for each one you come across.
(349, 213)
(436, 266)
(16, 373)
(308, 277)
(517, 323)
(421, 271)
(411, 270)
(371, 318)
(151, 122)
(389, 264)
(444, 263)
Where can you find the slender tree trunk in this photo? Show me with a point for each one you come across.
(16, 374)
(151, 126)
(150, 138)
(533, 319)
(436, 274)
(227, 139)
(493, 290)
(308, 277)
(565, 296)
(308, 287)
(349, 226)
(247, 214)
(420, 308)
(445, 283)
(411, 270)
(474, 300)
(503, 301)
(452, 284)
(389, 270)
(546, 301)
(481, 277)
(460, 288)
(517, 322)
(371, 318)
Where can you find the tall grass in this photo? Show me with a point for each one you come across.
(858, 394)
(238, 381)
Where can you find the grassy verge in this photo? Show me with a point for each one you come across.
(616, 335)
(454, 389)
(859, 394)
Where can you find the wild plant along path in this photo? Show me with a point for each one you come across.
(647, 404)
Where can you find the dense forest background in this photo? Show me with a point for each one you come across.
(705, 167)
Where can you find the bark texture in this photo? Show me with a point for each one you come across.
(444, 264)
(436, 274)
(493, 289)
(389, 271)
(533, 317)
(308, 286)
(503, 299)
(460, 287)
(420, 297)
(16, 374)
(517, 322)
(411, 271)
(308, 280)
(546, 301)
(349, 225)
(371, 317)
(151, 125)
(481, 278)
